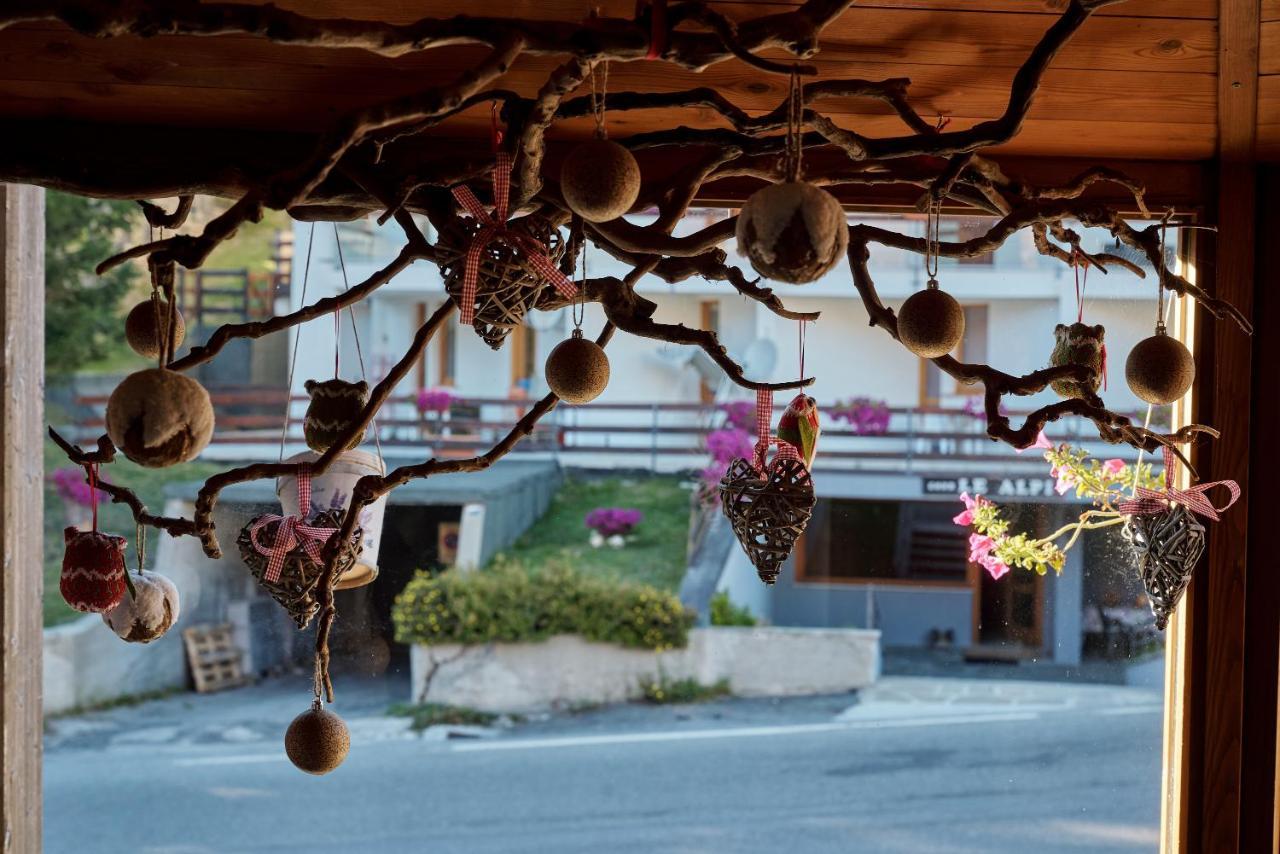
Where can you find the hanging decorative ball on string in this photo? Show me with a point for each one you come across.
(600, 179)
(317, 741)
(931, 322)
(159, 418)
(577, 369)
(793, 231)
(144, 323)
(1160, 369)
(335, 407)
(93, 573)
(149, 612)
(1079, 344)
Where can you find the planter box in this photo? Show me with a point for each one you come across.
(567, 671)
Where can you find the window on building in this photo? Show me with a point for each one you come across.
(523, 343)
(446, 365)
(857, 540)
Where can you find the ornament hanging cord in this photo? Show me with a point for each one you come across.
(932, 250)
(1161, 319)
(599, 88)
(297, 335)
(794, 147)
(355, 331)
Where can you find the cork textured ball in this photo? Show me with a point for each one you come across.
(931, 323)
(792, 232)
(577, 370)
(149, 613)
(159, 418)
(317, 741)
(1160, 369)
(600, 180)
(140, 328)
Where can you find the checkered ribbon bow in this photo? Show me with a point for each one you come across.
(764, 432)
(1149, 502)
(291, 532)
(494, 227)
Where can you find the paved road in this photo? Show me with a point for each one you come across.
(913, 767)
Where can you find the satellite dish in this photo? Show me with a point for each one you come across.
(760, 359)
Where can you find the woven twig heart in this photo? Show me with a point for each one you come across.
(1168, 546)
(298, 587)
(767, 515)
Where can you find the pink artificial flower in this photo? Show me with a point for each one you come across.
(1042, 442)
(970, 504)
(1066, 480)
(980, 546)
(995, 567)
(964, 518)
(1113, 467)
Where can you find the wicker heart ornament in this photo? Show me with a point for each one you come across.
(768, 512)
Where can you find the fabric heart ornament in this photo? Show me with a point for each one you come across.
(769, 506)
(92, 570)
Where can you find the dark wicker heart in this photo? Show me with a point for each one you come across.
(298, 586)
(767, 515)
(1167, 546)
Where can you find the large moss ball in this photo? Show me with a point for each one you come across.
(1160, 369)
(140, 328)
(317, 741)
(792, 232)
(600, 180)
(931, 323)
(159, 418)
(148, 613)
(577, 370)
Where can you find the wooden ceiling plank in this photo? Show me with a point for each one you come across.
(1270, 10)
(1269, 48)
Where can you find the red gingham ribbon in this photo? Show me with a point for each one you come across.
(292, 532)
(764, 433)
(1148, 502)
(494, 227)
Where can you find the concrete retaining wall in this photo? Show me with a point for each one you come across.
(567, 671)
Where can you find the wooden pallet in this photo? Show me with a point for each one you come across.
(215, 661)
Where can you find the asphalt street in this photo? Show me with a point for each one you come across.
(917, 766)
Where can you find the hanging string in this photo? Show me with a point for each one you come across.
(1082, 282)
(93, 492)
(803, 328)
(297, 334)
(355, 332)
(495, 128)
(599, 87)
(932, 245)
(1161, 273)
(793, 147)
(141, 547)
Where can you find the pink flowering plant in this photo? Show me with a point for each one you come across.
(864, 415)
(613, 521)
(1104, 482)
(437, 400)
(71, 486)
(732, 440)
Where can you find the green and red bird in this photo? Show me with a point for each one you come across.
(799, 426)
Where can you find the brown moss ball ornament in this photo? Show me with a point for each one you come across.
(600, 180)
(336, 405)
(148, 613)
(577, 369)
(792, 232)
(317, 741)
(159, 418)
(141, 332)
(931, 322)
(1160, 369)
(1078, 344)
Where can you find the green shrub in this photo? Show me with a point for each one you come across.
(432, 714)
(662, 690)
(725, 613)
(510, 603)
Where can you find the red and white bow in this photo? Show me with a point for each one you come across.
(291, 532)
(1148, 502)
(494, 227)
(764, 433)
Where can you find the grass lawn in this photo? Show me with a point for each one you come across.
(655, 551)
(149, 484)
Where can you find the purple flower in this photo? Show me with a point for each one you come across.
(727, 445)
(436, 400)
(866, 417)
(739, 416)
(71, 486)
(609, 521)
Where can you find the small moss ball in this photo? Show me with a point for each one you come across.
(159, 418)
(317, 741)
(577, 370)
(931, 323)
(140, 328)
(600, 180)
(792, 232)
(1160, 369)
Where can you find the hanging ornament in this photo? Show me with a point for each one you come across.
(144, 324)
(93, 573)
(284, 553)
(1160, 369)
(336, 405)
(578, 369)
(793, 231)
(1079, 344)
(493, 269)
(768, 506)
(931, 322)
(159, 417)
(799, 425)
(600, 180)
(317, 741)
(1166, 537)
(150, 609)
